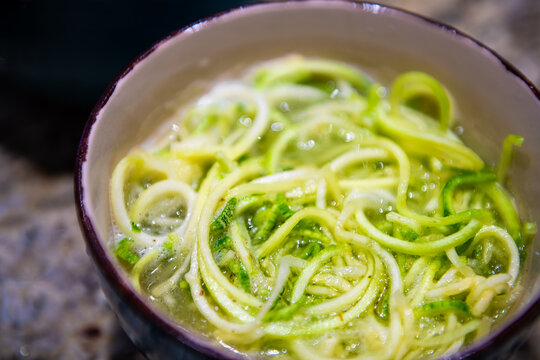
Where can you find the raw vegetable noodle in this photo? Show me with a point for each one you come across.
(307, 212)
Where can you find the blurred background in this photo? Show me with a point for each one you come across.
(56, 58)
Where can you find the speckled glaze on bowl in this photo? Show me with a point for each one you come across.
(494, 99)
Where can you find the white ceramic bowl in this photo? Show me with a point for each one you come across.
(493, 98)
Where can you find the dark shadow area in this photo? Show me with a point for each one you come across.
(57, 57)
(121, 346)
(40, 127)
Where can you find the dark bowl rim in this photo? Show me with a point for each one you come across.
(110, 270)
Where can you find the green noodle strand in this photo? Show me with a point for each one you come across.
(414, 83)
(464, 179)
(507, 154)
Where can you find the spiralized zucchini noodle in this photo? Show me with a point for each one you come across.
(308, 212)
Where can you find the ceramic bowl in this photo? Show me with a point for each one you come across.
(493, 100)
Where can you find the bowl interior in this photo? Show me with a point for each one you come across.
(491, 100)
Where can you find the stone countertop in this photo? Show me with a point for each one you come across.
(51, 306)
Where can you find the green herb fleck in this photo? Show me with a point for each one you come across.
(284, 209)
(310, 251)
(279, 212)
(382, 308)
(406, 233)
(135, 228)
(443, 307)
(222, 221)
(183, 285)
(124, 252)
(241, 274)
(242, 158)
(385, 226)
(169, 244)
(222, 242)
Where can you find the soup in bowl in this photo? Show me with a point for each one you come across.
(249, 202)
